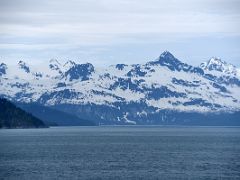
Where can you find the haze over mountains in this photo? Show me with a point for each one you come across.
(165, 90)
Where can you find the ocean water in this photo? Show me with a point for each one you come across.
(120, 152)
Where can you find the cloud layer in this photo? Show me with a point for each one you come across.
(93, 29)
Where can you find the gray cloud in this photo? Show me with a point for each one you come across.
(70, 24)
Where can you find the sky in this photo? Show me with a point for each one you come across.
(105, 32)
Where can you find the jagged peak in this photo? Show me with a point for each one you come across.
(87, 66)
(169, 57)
(23, 65)
(168, 60)
(3, 65)
(69, 62)
(3, 68)
(216, 64)
(55, 65)
(54, 61)
(120, 66)
(216, 60)
(167, 54)
(21, 62)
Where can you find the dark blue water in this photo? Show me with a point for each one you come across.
(120, 153)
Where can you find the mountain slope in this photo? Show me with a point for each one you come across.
(14, 117)
(125, 94)
(55, 117)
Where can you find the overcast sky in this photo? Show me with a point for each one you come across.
(107, 32)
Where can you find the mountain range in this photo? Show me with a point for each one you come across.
(162, 91)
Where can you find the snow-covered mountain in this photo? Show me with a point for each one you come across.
(217, 65)
(121, 93)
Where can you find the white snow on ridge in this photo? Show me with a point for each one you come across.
(216, 64)
(49, 79)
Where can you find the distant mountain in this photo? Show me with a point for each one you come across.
(3, 68)
(14, 117)
(54, 117)
(216, 64)
(154, 92)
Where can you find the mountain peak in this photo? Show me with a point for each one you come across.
(216, 64)
(55, 65)
(216, 61)
(3, 65)
(24, 66)
(69, 64)
(21, 62)
(167, 54)
(3, 68)
(54, 61)
(168, 60)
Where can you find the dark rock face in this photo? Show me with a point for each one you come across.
(61, 84)
(81, 72)
(60, 95)
(185, 83)
(163, 92)
(136, 71)
(126, 83)
(3, 68)
(221, 88)
(120, 66)
(23, 66)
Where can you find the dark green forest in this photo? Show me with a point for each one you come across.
(14, 117)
